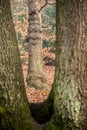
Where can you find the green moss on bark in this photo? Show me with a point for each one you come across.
(55, 126)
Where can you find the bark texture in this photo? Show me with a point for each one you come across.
(69, 93)
(35, 77)
(14, 109)
(70, 100)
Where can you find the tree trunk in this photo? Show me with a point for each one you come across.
(69, 89)
(14, 109)
(70, 100)
(35, 77)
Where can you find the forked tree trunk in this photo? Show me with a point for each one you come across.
(14, 109)
(35, 77)
(70, 100)
(70, 84)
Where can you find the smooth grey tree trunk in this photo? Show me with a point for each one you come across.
(35, 77)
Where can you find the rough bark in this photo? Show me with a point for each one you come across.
(35, 77)
(70, 100)
(14, 109)
(70, 85)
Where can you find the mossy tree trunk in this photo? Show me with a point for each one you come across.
(14, 109)
(70, 84)
(35, 77)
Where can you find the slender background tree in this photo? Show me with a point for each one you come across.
(36, 77)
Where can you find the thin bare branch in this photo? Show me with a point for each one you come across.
(46, 2)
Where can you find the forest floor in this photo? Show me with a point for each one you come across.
(33, 94)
